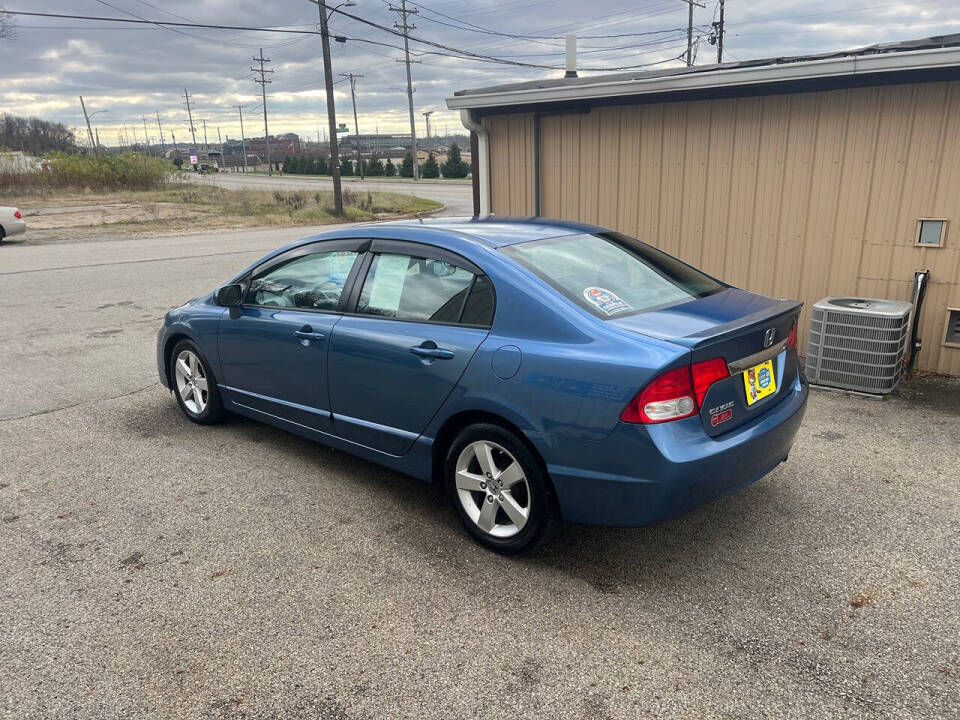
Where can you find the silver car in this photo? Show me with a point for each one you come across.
(11, 222)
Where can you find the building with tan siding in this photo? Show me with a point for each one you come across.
(795, 177)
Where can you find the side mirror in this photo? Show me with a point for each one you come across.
(230, 295)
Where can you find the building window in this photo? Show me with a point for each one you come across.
(931, 232)
(952, 336)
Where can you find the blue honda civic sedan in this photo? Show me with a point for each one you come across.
(537, 370)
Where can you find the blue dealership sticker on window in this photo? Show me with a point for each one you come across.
(763, 378)
(605, 300)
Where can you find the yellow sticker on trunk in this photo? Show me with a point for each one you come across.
(759, 382)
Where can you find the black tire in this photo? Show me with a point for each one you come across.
(213, 410)
(536, 491)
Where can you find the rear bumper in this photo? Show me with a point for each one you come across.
(14, 227)
(640, 474)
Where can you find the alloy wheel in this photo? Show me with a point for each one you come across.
(492, 488)
(192, 386)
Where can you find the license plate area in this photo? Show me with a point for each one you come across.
(759, 382)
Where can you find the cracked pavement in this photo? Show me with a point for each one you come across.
(154, 568)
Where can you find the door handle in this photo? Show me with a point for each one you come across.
(308, 334)
(432, 352)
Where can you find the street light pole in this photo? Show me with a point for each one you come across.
(331, 110)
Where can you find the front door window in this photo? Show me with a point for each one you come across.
(310, 282)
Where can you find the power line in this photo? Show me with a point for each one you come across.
(480, 29)
(456, 53)
(467, 54)
(162, 23)
(139, 17)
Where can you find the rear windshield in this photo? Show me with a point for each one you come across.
(611, 274)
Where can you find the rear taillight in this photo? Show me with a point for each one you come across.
(674, 394)
(792, 340)
(17, 215)
(705, 374)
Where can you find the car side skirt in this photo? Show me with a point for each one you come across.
(416, 462)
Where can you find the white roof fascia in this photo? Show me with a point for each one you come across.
(732, 77)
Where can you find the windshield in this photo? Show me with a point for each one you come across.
(612, 275)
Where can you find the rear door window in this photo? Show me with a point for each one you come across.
(478, 309)
(612, 275)
(405, 287)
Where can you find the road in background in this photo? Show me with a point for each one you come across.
(457, 197)
(79, 320)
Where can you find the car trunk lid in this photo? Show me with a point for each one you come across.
(743, 328)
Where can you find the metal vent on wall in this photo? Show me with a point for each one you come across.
(953, 327)
(858, 343)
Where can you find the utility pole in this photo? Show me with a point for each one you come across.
(690, 4)
(97, 133)
(220, 139)
(243, 139)
(146, 135)
(174, 136)
(163, 149)
(89, 131)
(263, 82)
(356, 125)
(720, 35)
(204, 121)
(427, 115)
(406, 28)
(331, 110)
(190, 114)
(135, 141)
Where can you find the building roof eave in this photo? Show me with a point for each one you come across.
(742, 75)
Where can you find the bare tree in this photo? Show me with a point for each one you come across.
(6, 24)
(35, 136)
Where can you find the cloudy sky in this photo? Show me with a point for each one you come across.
(132, 71)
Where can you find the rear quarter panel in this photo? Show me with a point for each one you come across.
(576, 373)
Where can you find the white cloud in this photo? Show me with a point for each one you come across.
(133, 71)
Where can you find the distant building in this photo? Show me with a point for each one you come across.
(280, 145)
(377, 144)
(15, 161)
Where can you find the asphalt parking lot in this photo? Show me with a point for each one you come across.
(153, 568)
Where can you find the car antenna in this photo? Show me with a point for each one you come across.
(420, 217)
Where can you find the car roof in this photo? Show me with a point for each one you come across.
(491, 232)
(498, 232)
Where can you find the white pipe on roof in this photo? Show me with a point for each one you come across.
(721, 77)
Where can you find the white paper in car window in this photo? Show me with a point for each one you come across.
(333, 267)
(389, 275)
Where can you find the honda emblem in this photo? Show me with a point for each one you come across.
(769, 336)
